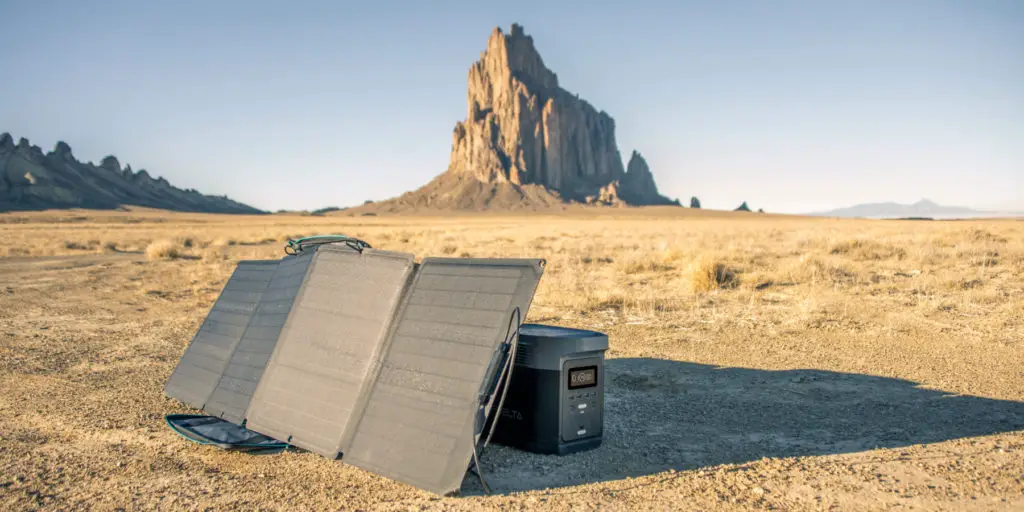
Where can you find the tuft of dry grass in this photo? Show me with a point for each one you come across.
(226, 242)
(75, 246)
(708, 274)
(216, 251)
(164, 249)
(863, 249)
(815, 269)
(642, 263)
(964, 284)
(986, 236)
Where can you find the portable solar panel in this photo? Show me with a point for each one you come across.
(201, 367)
(424, 406)
(330, 341)
(348, 351)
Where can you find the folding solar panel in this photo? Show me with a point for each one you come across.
(234, 391)
(354, 352)
(329, 344)
(201, 367)
(423, 408)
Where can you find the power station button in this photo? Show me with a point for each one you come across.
(581, 406)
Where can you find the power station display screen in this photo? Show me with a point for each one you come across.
(583, 377)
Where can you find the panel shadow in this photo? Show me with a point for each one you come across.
(662, 415)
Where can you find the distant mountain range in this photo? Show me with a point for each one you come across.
(921, 209)
(31, 180)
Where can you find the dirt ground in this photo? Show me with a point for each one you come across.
(756, 362)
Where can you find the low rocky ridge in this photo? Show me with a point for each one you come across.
(31, 180)
(527, 143)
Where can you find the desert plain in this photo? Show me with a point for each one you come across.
(755, 361)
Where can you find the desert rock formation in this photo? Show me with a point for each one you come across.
(31, 180)
(526, 138)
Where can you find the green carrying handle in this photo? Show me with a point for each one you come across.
(297, 245)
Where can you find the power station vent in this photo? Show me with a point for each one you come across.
(523, 354)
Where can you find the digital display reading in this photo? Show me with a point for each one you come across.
(584, 377)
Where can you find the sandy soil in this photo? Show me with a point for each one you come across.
(833, 376)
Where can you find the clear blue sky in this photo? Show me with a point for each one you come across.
(792, 106)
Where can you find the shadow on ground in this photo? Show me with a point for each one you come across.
(662, 415)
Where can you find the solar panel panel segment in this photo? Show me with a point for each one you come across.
(328, 345)
(421, 412)
(201, 367)
(233, 394)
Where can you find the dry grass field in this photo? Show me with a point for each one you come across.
(756, 362)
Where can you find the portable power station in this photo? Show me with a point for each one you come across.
(555, 401)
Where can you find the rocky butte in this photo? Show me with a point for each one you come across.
(527, 142)
(31, 180)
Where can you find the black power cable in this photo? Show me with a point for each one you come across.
(504, 380)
